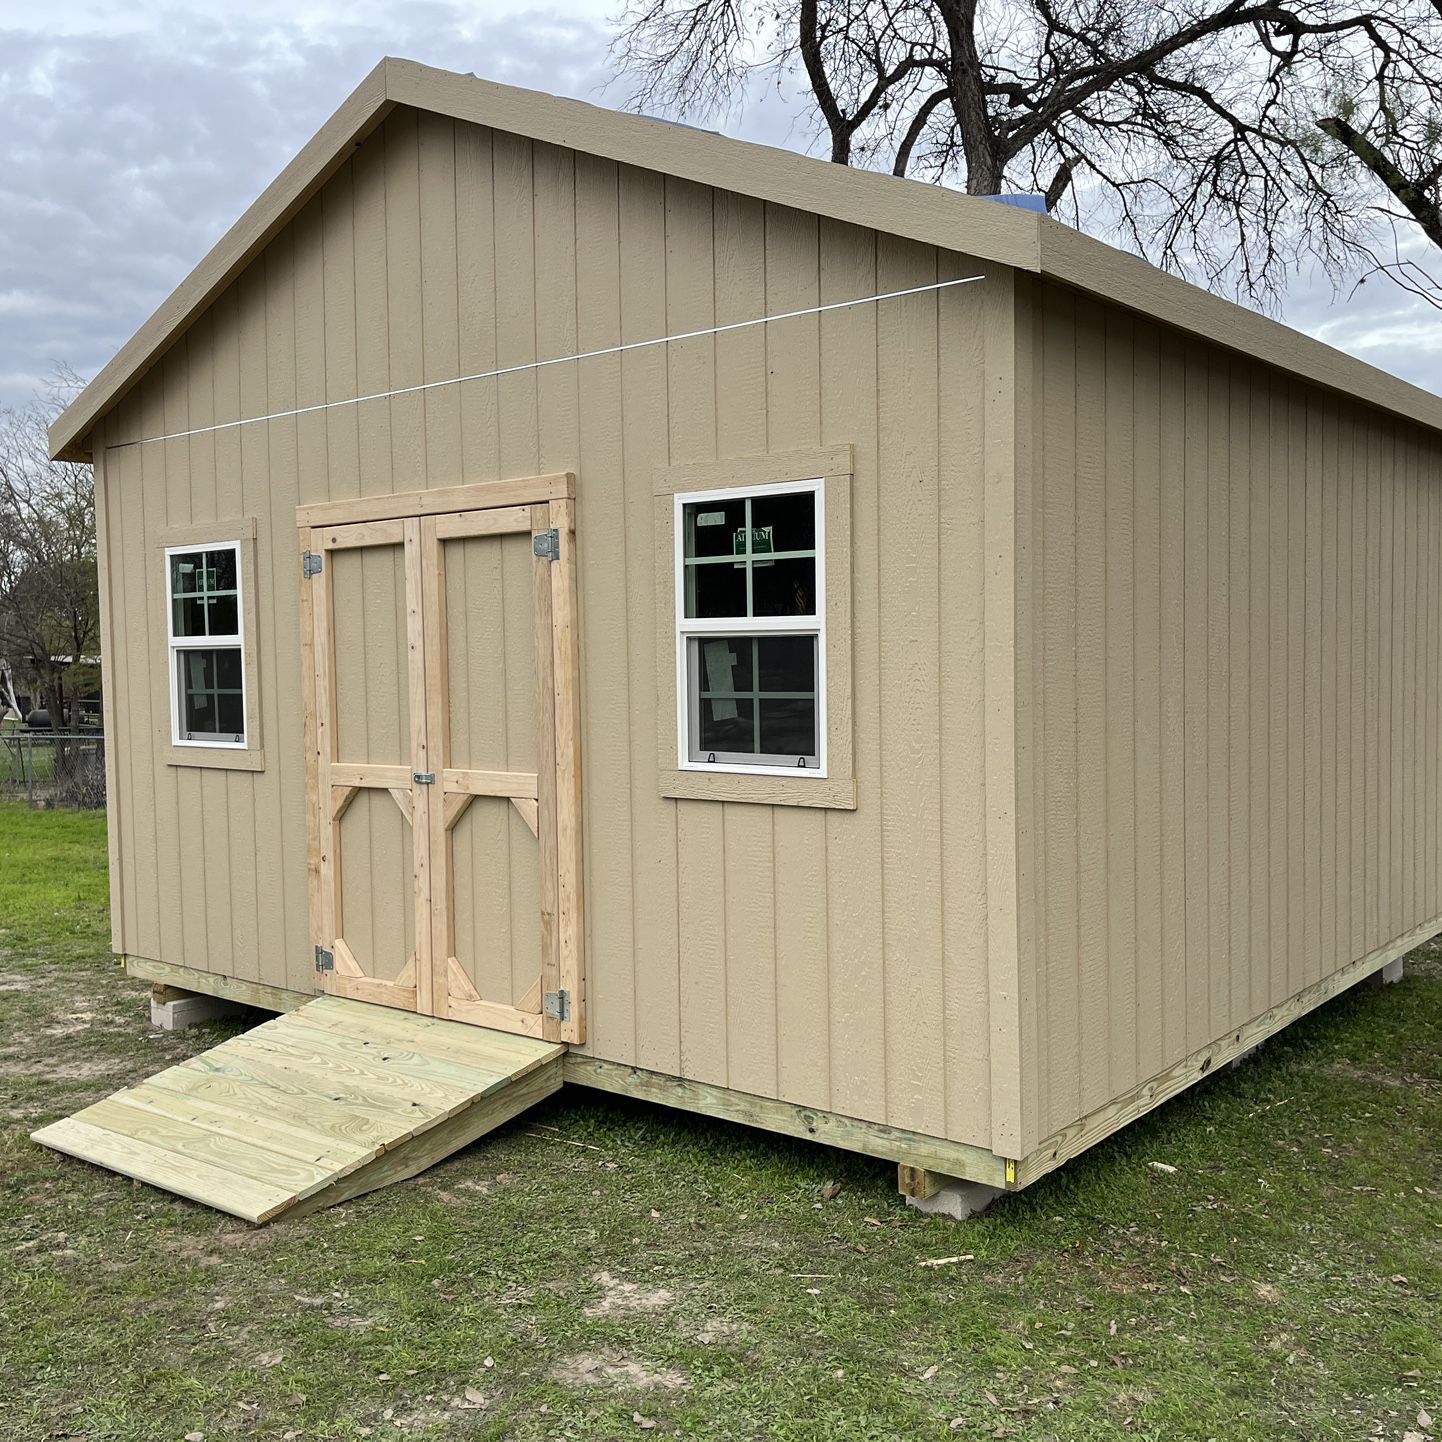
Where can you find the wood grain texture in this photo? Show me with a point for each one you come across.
(853, 1134)
(323, 1103)
(210, 983)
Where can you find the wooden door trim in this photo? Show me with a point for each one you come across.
(438, 723)
(418, 583)
(410, 505)
(566, 669)
(546, 770)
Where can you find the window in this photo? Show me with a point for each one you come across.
(751, 642)
(205, 611)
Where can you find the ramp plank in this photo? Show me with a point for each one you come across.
(269, 1132)
(501, 1051)
(199, 1181)
(320, 1105)
(200, 1144)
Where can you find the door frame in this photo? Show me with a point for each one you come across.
(430, 517)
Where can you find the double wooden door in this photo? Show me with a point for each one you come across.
(444, 763)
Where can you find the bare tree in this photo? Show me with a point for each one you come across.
(1395, 136)
(49, 596)
(1184, 128)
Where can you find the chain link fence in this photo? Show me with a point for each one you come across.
(52, 768)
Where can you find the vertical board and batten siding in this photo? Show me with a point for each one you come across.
(836, 959)
(1228, 703)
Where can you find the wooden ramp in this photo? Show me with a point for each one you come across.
(329, 1101)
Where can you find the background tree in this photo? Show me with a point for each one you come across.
(1397, 142)
(1186, 129)
(49, 594)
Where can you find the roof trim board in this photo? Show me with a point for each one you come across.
(929, 214)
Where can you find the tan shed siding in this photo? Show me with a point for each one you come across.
(1228, 707)
(836, 959)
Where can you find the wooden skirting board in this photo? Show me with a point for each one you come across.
(323, 1103)
(208, 983)
(1087, 1131)
(925, 1160)
(872, 1139)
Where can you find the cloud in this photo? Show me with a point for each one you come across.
(128, 147)
(131, 136)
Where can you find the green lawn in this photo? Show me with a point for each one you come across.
(601, 1270)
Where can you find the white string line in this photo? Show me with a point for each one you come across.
(552, 361)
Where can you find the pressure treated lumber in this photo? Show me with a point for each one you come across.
(209, 983)
(872, 1139)
(319, 1105)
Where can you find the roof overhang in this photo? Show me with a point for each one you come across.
(929, 214)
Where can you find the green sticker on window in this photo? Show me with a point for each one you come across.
(760, 541)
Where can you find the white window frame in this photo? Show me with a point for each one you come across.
(176, 644)
(688, 628)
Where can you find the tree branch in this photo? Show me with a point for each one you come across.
(1423, 208)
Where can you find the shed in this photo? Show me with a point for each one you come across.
(1001, 704)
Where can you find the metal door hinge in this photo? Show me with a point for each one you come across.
(547, 544)
(324, 960)
(557, 1004)
(310, 564)
(424, 778)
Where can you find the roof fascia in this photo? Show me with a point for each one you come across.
(1126, 280)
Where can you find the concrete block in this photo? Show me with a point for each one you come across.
(1387, 975)
(1247, 1055)
(957, 1200)
(180, 1010)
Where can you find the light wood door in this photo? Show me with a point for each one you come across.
(374, 855)
(445, 686)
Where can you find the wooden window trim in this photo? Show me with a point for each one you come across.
(240, 533)
(832, 465)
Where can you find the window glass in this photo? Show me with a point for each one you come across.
(754, 556)
(750, 628)
(212, 698)
(756, 699)
(209, 679)
(205, 596)
(717, 589)
(788, 519)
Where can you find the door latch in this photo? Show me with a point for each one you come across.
(424, 778)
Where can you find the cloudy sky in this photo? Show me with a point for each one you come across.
(132, 134)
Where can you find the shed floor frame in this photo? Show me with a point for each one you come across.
(912, 1150)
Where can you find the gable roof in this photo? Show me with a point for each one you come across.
(931, 214)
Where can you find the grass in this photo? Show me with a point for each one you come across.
(604, 1270)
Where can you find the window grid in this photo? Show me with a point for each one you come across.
(691, 630)
(208, 594)
(184, 690)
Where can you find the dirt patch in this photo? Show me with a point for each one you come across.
(718, 1331)
(73, 1070)
(70, 1025)
(1406, 1080)
(15, 981)
(612, 1369)
(618, 1296)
